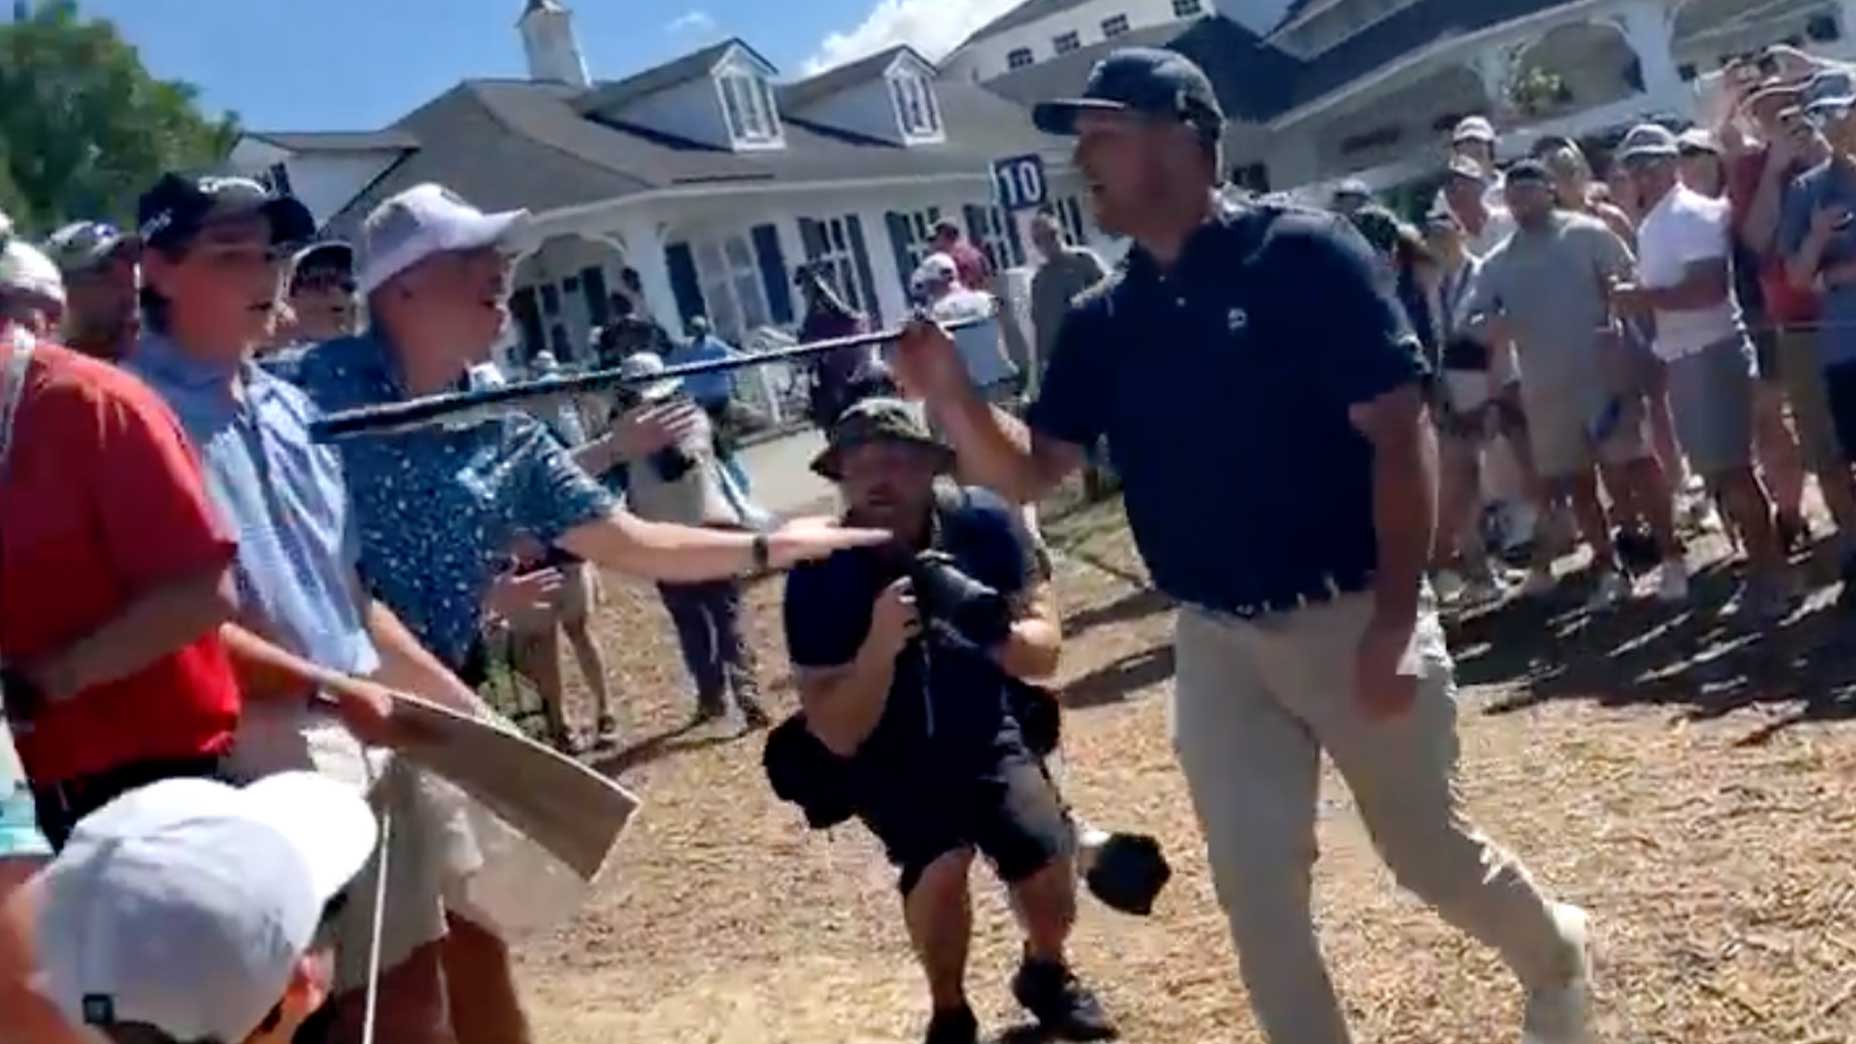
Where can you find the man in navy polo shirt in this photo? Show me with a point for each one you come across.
(1259, 392)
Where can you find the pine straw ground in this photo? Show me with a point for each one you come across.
(1695, 791)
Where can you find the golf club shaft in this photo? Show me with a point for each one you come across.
(454, 407)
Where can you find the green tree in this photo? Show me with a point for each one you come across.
(84, 128)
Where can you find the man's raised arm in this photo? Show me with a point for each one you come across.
(996, 450)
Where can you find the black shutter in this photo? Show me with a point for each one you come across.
(773, 272)
(683, 283)
(976, 235)
(865, 280)
(899, 244)
(1011, 234)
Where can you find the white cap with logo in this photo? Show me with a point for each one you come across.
(186, 905)
(425, 220)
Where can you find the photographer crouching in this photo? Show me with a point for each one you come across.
(907, 658)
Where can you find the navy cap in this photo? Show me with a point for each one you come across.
(174, 211)
(1148, 80)
(1829, 89)
(1529, 170)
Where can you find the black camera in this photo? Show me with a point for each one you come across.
(943, 593)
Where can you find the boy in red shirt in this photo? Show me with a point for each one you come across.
(115, 576)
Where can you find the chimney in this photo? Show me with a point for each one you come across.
(548, 38)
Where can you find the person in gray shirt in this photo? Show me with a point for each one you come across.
(1548, 287)
(1066, 272)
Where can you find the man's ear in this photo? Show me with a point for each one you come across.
(158, 272)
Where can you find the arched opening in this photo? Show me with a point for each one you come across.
(563, 293)
(1573, 67)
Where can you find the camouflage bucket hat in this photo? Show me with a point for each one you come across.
(878, 420)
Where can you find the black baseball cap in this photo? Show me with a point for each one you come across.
(1530, 170)
(1148, 80)
(174, 211)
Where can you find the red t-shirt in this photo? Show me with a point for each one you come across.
(103, 502)
(1785, 303)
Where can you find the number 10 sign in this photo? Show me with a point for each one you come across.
(1019, 183)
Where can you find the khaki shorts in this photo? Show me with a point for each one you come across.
(1559, 428)
(1802, 377)
(576, 599)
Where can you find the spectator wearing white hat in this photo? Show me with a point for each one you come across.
(190, 911)
(936, 284)
(101, 279)
(32, 294)
(1686, 282)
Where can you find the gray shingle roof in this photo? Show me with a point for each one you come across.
(801, 93)
(607, 96)
(518, 143)
(332, 141)
(1258, 82)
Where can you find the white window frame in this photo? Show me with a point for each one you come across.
(1064, 43)
(1020, 58)
(839, 261)
(996, 240)
(728, 272)
(1070, 219)
(1114, 26)
(920, 241)
(917, 113)
(748, 107)
(1188, 8)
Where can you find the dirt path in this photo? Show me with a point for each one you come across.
(1710, 835)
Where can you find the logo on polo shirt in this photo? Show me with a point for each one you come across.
(1237, 319)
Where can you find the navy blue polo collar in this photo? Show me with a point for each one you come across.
(1142, 269)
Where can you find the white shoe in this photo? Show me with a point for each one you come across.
(1449, 585)
(1611, 590)
(1539, 583)
(1562, 1013)
(1672, 582)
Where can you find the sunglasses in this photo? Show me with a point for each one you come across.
(330, 282)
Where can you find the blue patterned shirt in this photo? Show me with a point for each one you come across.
(297, 539)
(437, 506)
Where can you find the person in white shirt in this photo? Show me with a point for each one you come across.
(1686, 283)
(1466, 195)
(936, 283)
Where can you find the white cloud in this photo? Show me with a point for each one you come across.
(933, 27)
(690, 22)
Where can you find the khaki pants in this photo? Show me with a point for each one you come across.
(1255, 703)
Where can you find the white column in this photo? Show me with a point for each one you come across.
(1650, 30)
(1494, 66)
(644, 251)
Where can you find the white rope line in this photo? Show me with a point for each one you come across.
(382, 867)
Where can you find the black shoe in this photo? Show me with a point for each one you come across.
(1063, 1005)
(708, 711)
(954, 1026)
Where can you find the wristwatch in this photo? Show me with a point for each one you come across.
(763, 554)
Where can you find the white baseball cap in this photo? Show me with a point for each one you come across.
(935, 268)
(24, 269)
(639, 367)
(425, 220)
(1473, 128)
(186, 905)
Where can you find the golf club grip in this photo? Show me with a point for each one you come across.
(415, 413)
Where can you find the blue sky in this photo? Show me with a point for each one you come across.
(359, 64)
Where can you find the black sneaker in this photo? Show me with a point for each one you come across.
(954, 1026)
(1063, 1005)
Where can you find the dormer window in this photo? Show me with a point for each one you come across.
(752, 117)
(916, 110)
